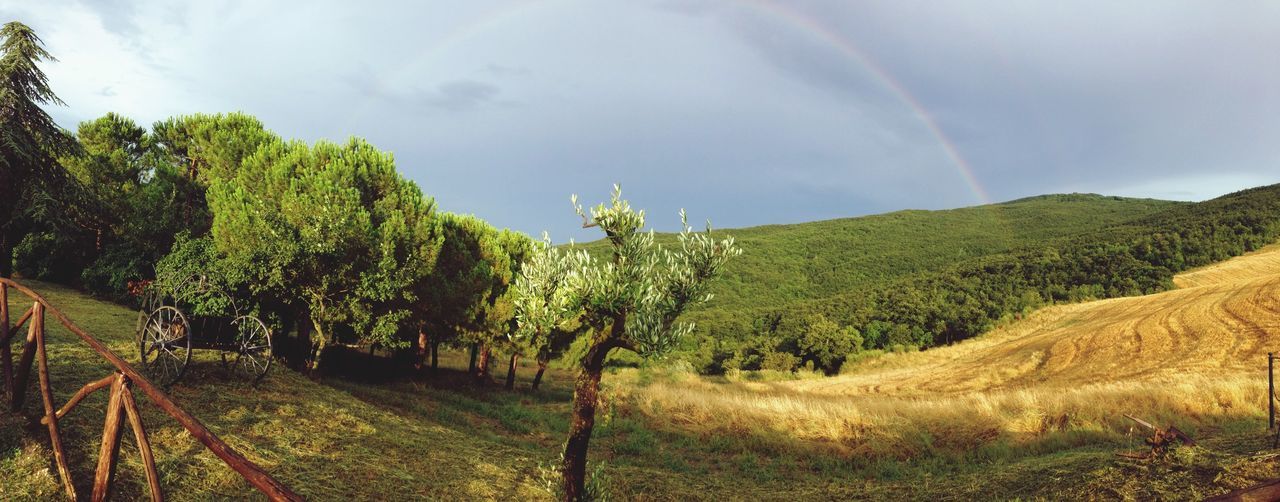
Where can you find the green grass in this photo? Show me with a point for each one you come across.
(445, 439)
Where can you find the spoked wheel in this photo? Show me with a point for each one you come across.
(252, 358)
(165, 345)
(150, 302)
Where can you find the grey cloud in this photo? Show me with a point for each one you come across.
(461, 95)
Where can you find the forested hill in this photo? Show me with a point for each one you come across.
(789, 263)
(823, 291)
(785, 263)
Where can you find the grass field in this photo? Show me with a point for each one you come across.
(1029, 410)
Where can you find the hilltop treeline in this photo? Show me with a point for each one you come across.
(964, 300)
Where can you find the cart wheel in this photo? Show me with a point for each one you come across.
(150, 302)
(165, 345)
(253, 348)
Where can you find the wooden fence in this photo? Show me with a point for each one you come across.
(121, 404)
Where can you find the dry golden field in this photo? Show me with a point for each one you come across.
(1195, 356)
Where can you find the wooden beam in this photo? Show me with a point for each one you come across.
(6, 336)
(144, 445)
(84, 392)
(46, 394)
(110, 449)
(255, 475)
(1269, 490)
(1141, 422)
(19, 393)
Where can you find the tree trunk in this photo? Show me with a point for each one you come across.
(475, 351)
(435, 354)
(537, 377)
(6, 255)
(586, 395)
(424, 347)
(301, 351)
(318, 344)
(482, 369)
(511, 371)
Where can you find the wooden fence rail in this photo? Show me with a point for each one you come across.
(121, 404)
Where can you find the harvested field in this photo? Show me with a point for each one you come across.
(1195, 356)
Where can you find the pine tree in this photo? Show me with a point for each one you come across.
(29, 139)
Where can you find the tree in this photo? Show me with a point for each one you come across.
(825, 344)
(629, 302)
(542, 305)
(451, 297)
(333, 230)
(29, 139)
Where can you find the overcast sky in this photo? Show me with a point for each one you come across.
(744, 112)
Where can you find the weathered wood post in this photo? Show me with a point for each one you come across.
(24, 364)
(1271, 390)
(110, 450)
(46, 396)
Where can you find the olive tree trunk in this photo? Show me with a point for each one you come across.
(424, 348)
(482, 368)
(318, 343)
(586, 396)
(511, 371)
(537, 377)
(435, 354)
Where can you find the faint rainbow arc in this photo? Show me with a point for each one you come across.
(851, 50)
(793, 17)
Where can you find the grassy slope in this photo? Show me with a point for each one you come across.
(786, 263)
(355, 441)
(1044, 391)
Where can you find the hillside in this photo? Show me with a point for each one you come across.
(786, 263)
(1042, 393)
(1027, 410)
(1220, 323)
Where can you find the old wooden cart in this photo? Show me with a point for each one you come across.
(167, 333)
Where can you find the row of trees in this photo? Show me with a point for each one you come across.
(326, 238)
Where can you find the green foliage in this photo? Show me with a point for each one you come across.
(30, 141)
(544, 320)
(332, 230)
(645, 286)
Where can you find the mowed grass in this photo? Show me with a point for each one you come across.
(1056, 382)
(955, 423)
(319, 440)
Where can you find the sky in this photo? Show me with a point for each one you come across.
(744, 112)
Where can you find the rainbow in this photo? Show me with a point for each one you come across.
(770, 10)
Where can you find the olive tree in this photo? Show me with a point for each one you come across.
(630, 301)
(543, 314)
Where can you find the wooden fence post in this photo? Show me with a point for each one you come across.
(24, 364)
(144, 445)
(110, 442)
(46, 393)
(1271, 391)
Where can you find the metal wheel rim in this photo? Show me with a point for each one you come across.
(165, 345)
(253, 348)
